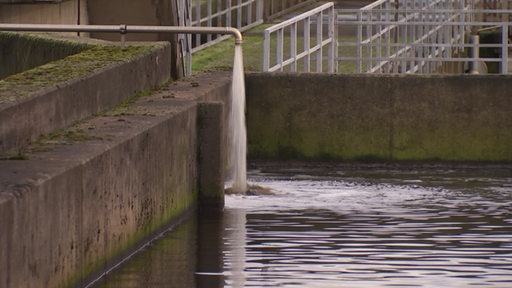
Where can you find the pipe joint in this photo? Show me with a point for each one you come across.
(122, 28)
(237, 34)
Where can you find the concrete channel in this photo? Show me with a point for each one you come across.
(71, 206)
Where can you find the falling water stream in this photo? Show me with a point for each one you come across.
(237, 129)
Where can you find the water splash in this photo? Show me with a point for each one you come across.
(237, 129)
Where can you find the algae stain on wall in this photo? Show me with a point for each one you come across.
(371, 117)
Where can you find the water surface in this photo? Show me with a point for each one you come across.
(338, 227)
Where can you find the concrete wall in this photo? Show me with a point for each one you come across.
(374, 117)
(64, 12)
(74, 205)
(140, 12)
(68, 211)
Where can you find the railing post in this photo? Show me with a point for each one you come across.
(475, 41)
(504, 48)
(293, 46)
(369, 47)
(280, 48)
(359, 48)
(319, 37)
(307, 44)
(259, 10)
(198, 21)
(379, 40)
(228, 15)
(249, 13)
(266, 51)
(333, 34)
(239, 14)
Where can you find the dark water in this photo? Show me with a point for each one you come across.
(333, 227)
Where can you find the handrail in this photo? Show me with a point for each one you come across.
(123, 29)
(304, 52)
(300, 17)
(403, 40)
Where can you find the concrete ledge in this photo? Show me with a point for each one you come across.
(54, 108)
(69, 211)
(376, 117)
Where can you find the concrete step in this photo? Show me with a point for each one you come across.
(29, 109)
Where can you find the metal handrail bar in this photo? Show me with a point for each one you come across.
(461, 59)
(393, 24)
(438, 10)
(420, 23)
(435, 45)
(300, 17)
(220, 13)
(303, 52)
(373, 5)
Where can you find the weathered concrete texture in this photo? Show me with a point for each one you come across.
(72, 209)
(211, 155)
(49, 109)
(372, 117)
(63, 12)
(140, 12)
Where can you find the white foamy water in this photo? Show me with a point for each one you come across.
(237, 128)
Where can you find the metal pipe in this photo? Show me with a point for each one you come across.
(123, 29)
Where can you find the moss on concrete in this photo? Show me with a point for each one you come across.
(122, 250)
(16, 87)
(371, 117)
(23, 51)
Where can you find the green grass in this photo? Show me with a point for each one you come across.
(219, 57)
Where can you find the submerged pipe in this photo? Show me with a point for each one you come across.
(123, 29)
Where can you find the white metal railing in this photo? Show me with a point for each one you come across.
(299, 42)
(240, 14)
(419, 36)
(491, 5)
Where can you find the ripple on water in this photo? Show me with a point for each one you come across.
(314, 232)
